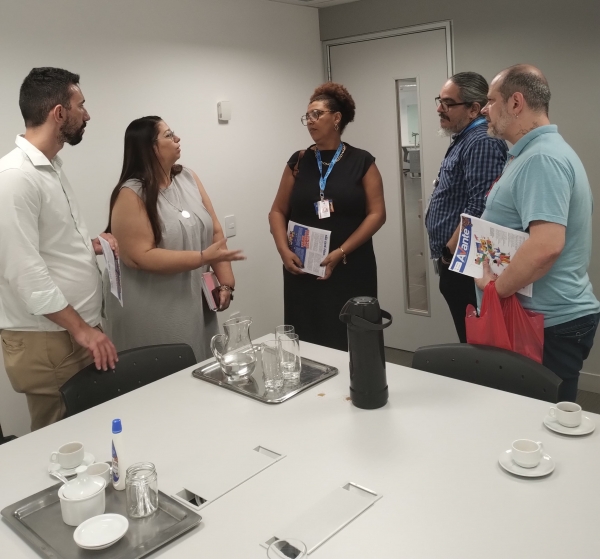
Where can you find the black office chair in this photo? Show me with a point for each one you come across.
(489, 366)
(4, 439)
(136, 367)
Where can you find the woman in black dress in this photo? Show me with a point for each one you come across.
(355, 191)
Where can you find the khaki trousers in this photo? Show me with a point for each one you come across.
(38, 364)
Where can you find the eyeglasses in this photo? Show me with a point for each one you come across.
(169, 135)
(312, 116)
(447, 106)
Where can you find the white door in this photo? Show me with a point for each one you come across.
(374, 71)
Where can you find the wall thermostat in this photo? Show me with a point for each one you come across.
(224, 110)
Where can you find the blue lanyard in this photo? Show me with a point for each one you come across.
(477, 121)
(323, 179)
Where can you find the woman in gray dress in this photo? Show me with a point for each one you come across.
(168, 235)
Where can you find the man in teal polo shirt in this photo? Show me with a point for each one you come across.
(543, 190)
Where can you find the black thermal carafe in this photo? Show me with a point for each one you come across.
(368, 383)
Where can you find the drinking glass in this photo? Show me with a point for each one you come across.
(284, 330)
(272, 375)
(286, 549)
(289, 356)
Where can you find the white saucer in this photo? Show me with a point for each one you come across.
(545, 467)
(88, 458)
(101, 531)
(586, 426)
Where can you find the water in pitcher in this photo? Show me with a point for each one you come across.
(238, 365)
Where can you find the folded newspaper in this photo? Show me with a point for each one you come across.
(309, 244)
(113, 265)
(481, 240)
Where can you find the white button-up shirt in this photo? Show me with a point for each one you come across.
(46, 256)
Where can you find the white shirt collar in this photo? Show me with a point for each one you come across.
(37, 158)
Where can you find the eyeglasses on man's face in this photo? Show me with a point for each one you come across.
(312, 116)
(447, 105)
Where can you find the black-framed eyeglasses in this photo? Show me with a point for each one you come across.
(446, 106)
(312, 116)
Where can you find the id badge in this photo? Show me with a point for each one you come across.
(324, 208)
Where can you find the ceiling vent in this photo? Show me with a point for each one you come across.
(315, 3)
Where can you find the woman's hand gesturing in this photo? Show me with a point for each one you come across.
(218, 252)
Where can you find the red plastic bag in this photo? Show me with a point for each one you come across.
(506, 324)
(525, 329)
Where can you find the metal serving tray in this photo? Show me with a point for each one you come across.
(253, 386)
(38, 519)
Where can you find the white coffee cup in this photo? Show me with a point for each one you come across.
(69, 455)
(100, 469)
(567, 414)
(526, 453)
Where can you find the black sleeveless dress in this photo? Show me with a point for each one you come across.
(313, 306)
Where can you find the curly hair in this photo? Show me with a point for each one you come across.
(337, 99)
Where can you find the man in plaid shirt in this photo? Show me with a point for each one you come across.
(472, 163)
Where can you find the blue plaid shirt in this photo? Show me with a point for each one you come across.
(472, 163)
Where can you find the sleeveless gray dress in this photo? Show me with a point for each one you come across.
(159, 308)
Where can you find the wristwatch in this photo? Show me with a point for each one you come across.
(447, 254)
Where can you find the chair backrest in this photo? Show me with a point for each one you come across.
(136, 367)
(4, 439)
(490, 366)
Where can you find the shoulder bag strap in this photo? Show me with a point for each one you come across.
(297, 165)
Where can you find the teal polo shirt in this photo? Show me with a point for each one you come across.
(544, 180)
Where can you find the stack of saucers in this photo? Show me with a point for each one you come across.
(101, 531)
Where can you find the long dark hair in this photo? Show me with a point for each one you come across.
(140, 162)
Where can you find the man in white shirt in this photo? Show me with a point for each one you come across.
(50, 283)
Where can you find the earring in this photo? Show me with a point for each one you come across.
(336, 127)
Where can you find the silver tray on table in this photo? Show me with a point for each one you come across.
(38, 519)
(253, 386)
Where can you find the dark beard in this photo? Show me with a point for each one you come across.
(71, 135)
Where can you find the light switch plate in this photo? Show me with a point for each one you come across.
(230, 226)
(224, 111)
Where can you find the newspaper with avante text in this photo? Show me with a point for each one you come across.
(481, 240)
(309, 244)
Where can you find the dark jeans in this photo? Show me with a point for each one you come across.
(459, 291)
(566, 347)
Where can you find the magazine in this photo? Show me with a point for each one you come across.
(481, 240)
(311, 245)
(113, 265)
(210, 285)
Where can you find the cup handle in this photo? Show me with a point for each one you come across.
(54, 457)
(552, 412)
(541, 447)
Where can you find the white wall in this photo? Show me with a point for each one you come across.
(175, 59)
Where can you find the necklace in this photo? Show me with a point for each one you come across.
(183, 212)
(339, 157)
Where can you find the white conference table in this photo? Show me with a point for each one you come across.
(432, 452)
